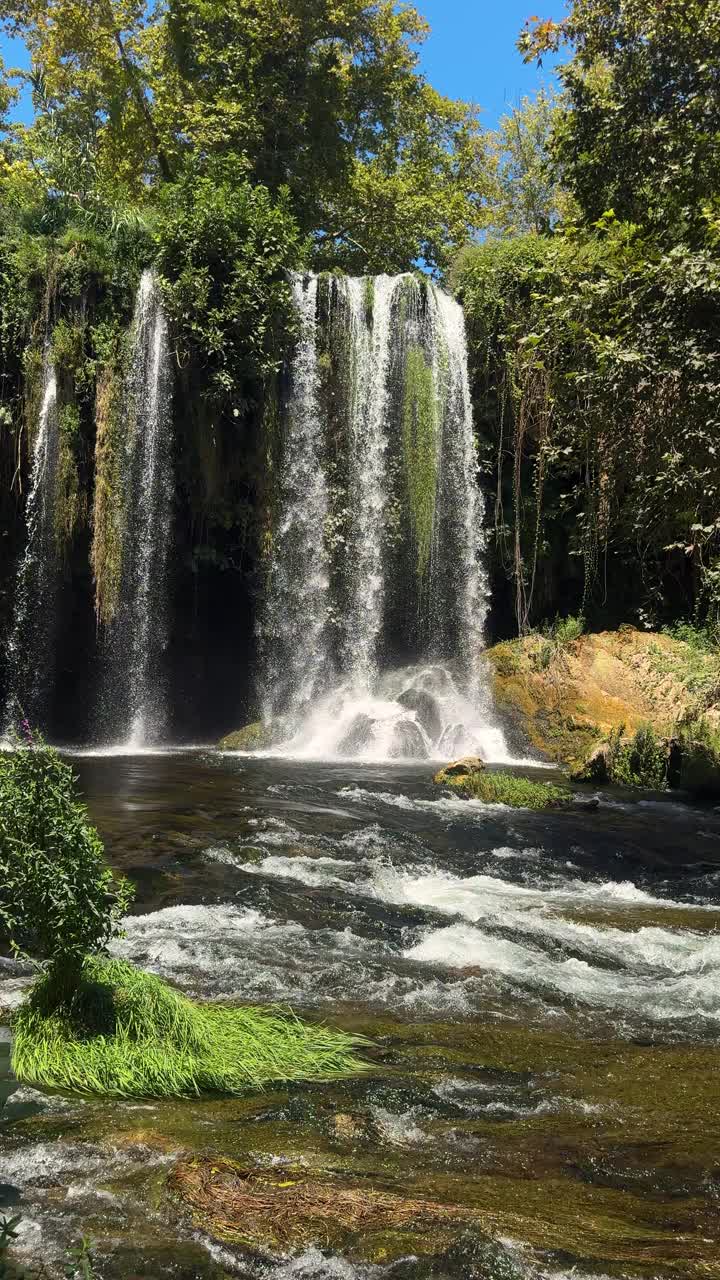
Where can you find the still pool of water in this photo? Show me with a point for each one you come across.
(542, 992)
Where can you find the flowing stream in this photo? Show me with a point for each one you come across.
(30, 646)
(133, 704)
(376, 599)
(542, 993)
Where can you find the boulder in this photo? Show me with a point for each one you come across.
(252, 737)
(357, 738)
(426, 710)
(467, 767)
(408, 742)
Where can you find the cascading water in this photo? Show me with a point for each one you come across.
(30, 648)
(295, 626)
(133, 710)
(377, 595)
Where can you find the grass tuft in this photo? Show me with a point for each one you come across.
(507, 788)
(125, 1033)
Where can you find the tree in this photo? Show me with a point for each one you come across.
(58, 899)
(94, 134)
(640, 133)
(319, 97)
(525, 195)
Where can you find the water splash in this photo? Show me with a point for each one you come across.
(378, 557)
(133, 699)
(30, 647)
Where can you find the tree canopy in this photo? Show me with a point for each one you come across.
(321, 98)
(640, 130)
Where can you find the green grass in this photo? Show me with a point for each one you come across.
(126, 1033)
(507, 788)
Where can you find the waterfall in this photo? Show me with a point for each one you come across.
(377, 594)
(30, 647)
(133, 704)
(368, 445)
(295, 629)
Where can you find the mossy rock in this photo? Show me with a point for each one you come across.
(288, 1209)
(566, 698)
(459, 771)
(496, 787)
(252, 737)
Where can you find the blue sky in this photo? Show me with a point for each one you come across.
(470, 53)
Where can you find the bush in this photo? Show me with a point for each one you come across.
(699, 750)
(58, 898)
(125, 1033)
(641, 761)
(564, 630)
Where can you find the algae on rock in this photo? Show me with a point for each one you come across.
(252, 737)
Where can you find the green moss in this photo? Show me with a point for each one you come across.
(510, 789)
(252, 737)
(108, 505)
(419, 434)
(125, 1033)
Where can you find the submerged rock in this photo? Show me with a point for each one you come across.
(252, 737)
(458, 770)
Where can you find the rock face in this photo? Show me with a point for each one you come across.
(458, 770)
(567, 698)
(252, 737)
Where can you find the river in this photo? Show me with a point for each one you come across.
(542, 991)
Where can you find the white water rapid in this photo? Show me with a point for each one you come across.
(133, 709)
(373, 626)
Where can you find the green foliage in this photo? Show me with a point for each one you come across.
(8, 1233)
(510, 789)
(641, 761)
(58, 899)
(640, 131)
(419, 438)
(704, 640)
(699, 749)
(125, 1033)
(564, 631)
(525, 195)
(79, 1260)
(322, 98)
(597, 373)
(224, 250)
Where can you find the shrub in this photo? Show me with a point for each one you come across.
(564, 630)
(58, 898)
(640, 762)
(699, 751)
(703, 639)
